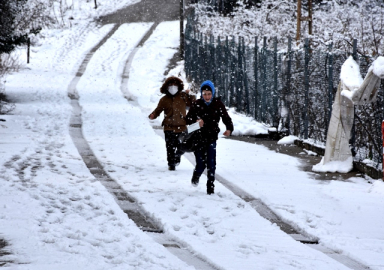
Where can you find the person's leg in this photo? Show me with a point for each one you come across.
(211, 167)
(179, 152)
(201, 159)
(171, 149)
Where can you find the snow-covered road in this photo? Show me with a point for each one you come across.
(56, 216)
(126, 148)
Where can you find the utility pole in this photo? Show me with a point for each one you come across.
(300, 19)
(298, 24)
(181, 29)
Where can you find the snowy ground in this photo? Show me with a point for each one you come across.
(56, 216)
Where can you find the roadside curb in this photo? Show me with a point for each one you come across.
(357, 165)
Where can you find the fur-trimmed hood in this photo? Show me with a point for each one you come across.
(172, 80)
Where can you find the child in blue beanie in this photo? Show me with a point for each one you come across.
(208, 111)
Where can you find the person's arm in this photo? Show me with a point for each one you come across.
(227, 133)
(192, 114)
(227, 120)
(157, 111)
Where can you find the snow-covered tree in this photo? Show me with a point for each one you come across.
(9, 36)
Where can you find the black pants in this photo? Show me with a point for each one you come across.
(206, 158)
(173, 148)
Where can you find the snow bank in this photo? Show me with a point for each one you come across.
(288, 140)
(334, 166)
(377, 187)
(244, 125)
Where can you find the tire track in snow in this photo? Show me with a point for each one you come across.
(128, 63)
(289, 229)
(4, 252)
(126, 202)
(72, 93)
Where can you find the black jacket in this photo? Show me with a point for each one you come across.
(211, 115)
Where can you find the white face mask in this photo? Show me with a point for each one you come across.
(173, 89)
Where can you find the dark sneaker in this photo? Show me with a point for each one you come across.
(171, 168)
(177, 161)
(195, 180)
(210, 187)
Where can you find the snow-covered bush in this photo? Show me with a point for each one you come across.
(335, 22)
(8, 63)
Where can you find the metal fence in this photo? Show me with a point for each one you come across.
(225, 7)
(291, 90)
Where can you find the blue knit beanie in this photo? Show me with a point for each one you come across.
(211, 86)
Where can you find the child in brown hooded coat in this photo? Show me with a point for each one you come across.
(174, 104)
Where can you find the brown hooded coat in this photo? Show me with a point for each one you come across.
(174, 106)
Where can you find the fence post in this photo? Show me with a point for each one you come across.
(306, 86)
(264, 81)
(288, 93)
(197, 69)
(275, 91)
(219, 66)
(245, 78)
(239, 85)
(212, 58)
(227, 73)
(187, 63)
(330, 85)
(232, 71)
(197, 59)
(354, 52)
(202, 59)
(256, 71)
(190, 54)
(194, 58)
(353, 132)
(181, 23)
(382, 138)
(207, 57)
